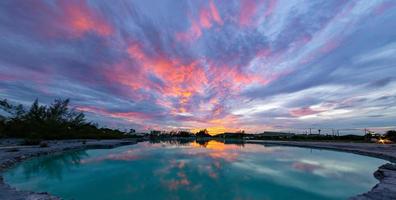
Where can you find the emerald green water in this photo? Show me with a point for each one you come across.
(211, 170)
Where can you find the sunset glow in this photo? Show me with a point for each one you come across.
(226, 66)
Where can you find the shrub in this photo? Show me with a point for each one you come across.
(391, 135)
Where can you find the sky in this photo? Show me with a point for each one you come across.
(224, 65)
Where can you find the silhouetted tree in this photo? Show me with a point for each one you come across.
(391, 134)
(2, 125)
(184, 134)
(203, 133)
(132, 131)
(49, 122)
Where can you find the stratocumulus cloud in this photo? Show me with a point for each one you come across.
(223, 65)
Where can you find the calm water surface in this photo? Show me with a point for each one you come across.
(209, 170)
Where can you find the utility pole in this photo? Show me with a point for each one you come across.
(310, 131)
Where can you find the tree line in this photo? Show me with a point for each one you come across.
(56, 121)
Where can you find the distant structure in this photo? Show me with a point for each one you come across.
(276, 134)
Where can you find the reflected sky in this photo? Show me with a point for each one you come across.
(198, 170)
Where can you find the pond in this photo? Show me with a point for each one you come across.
(198, 170)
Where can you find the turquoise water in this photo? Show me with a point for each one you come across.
(211, 170)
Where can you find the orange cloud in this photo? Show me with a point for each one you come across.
(180, 80)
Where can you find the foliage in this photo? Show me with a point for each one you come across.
(56, 121)
(2, 126)
(184, 134)
(391, 135)
(203, 133)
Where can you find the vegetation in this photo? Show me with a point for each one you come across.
(154, 134)
(236, 135)
(391, 135)
(203, 133)
(56, 121)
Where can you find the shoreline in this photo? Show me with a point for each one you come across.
(386, 174)
(9, 157)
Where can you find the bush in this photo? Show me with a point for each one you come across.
(391, 135)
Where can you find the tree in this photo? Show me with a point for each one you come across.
(203, 133)
(132, 131)
(56, 121)
(391, 135)
(15, 112)
(2, 125)
(184, 134)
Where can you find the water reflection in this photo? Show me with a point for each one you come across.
(53, 166)
(178, 142)
(203, 142)
(196, 169)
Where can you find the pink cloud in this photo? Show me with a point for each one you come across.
(215, 13)
(330, 45)
(192, 34)
(78, 18)
(132, 116)
(270, 7)
(299, 112)
(249, 11)
(208, 16)
(380, 9)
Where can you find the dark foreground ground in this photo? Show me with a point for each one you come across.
(12, 153)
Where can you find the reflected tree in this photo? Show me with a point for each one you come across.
(53, 166)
